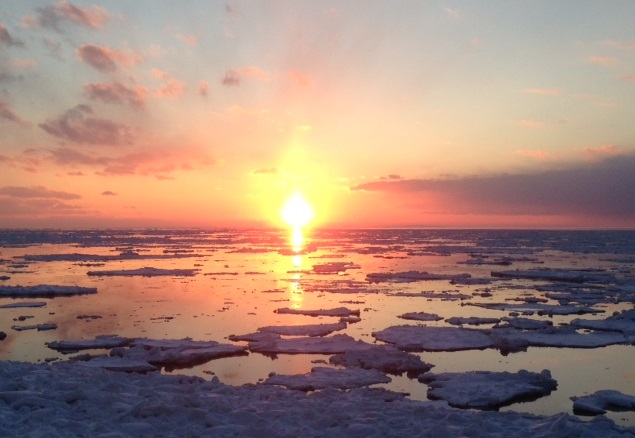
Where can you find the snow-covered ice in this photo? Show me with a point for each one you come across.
(385, 358)
(421, 316)
(44, 291)
(601, 401)
(304, 330)
(144, 272)
(99, 342)
(567, 275)
(23, 304)
(308, 345)
(338, 311)
(487, 389)
(423, 338)
(39, 327)
(323, 377)
(65, 399)
(471, 320)
(623, 322)
(409, 276)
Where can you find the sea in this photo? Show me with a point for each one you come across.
(209, 284)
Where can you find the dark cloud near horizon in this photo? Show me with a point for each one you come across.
(108, 193)
(605, 188)
(39, 192)
(76, 126)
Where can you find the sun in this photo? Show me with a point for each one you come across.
(297, 212)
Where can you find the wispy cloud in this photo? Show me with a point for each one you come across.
(234, 76)
(203, 88)
(453, 13)
(105, 59)
(536, 154)
(108, 193)
(266, 171)
(36, 192)
(116, 92)
(55, 15)
(7, 113)
(171, 86)
(601, 60)
(627, 45)
(7, 40)
(76, 126)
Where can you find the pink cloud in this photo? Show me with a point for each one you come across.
(628, 45)
(115, 92)
(24, 63)
(234, 76)
(76, 126)
(299, 79)
(54, 15)
(171, 87)
(601, 60)
(105, 59)
(629, 78)
(36, 192)
(600, 152)
(190, 40)
(7, 113)
(203, 88)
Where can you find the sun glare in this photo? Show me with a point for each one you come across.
(297, 212)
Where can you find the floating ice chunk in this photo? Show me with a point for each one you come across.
(539, 308)
(254, 337)
(119, 364)
(318, 345)
(470, 281)
(566, 275)
(422, 338)
(409, 276)
(472, 320)
(177, 352)
(23, 304)
(623, 322)
(322, 377)
(338, 311)
(510, 340)
(305, 330)
(385, 358)
(104, 341)
(44, 290)
(334, 267)
(601, 401)
(350, 319)
(145, 272)
(526, 323)
(487, 389)
(38, 327)
(421, 316)
(443, 296)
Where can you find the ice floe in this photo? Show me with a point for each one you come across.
(99, 342)
(172, 353)
(566, 275)
(39, 327)
(338, 311)
(539, 308)
(334, 267)
(385, 358)
(471, 320)
(323, 377)
(305, 330)
(145, 272)
(601, 401)
(487, 389)
(421, 316)
(308, 345)
(623, 322)
(65, 399)
(114, 363)
(409, 276)
(423, 338)
(44, 291)
(20, 304)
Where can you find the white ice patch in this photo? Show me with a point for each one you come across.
(23, 304)
(385, 358)
(566, 275)
(421, 316)
(338, 311)
(319, 345)
(487, 389)
(304, 330)
(322, 377)
(601, 401)
(422, 338)
(104, 341)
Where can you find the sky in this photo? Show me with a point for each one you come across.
(380, 114)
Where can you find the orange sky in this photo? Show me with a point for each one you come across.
(413, 114)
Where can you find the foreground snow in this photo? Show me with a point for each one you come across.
(65, 399)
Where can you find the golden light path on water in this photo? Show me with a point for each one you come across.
(296, 213)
